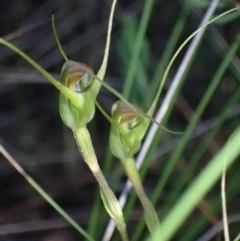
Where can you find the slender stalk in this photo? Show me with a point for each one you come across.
(150, 214)
(202, 223)
(224, 203)
(84, 143)
(32, 182)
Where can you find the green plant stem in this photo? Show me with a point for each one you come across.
(150, 214)
(39, 189)
(152, 108)
(202, 222)
(224, 203)
(166, 56)
(111, 204)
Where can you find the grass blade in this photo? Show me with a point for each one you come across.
(20, 170)
(198, 189)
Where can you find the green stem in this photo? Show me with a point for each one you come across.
(111, 204)
(150, 214)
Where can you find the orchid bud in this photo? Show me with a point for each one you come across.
(127, 143)
(77, 77)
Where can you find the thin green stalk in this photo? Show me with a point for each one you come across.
(102, 70)
(95, 227)
(153, 106)
(202, 223)
(168, 52)
(83, 140)
(32, 182)
(219, 44)
(150, 214)
(57, 40)
(224, 202)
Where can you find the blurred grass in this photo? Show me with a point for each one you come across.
(82, 27)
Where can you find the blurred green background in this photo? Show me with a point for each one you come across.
(32, 131)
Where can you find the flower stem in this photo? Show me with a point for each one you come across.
(150, 214)
(111, 204)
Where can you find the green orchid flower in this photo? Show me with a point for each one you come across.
(126, 142)
(127, 131)
(81, 80)
(75, 77)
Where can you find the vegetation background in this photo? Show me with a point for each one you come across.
(32, 131)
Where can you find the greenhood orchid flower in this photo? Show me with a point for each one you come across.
(77, 77)
(127, 141)
(80, 79)
(127, 131)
